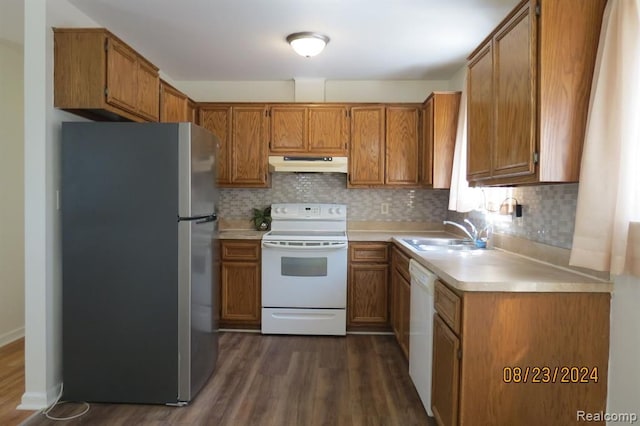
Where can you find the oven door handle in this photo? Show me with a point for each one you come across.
(333, 246)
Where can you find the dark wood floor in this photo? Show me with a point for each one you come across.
(286, 380)
(12, 383)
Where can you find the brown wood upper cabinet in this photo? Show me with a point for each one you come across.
(401, 151)
(366, 156)
(439, 126)
(173, 104)
(384, 146)
(98, 76)
(242, 131)
(528, 93)
(309, 130)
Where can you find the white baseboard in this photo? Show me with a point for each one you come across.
(376, 333)
(238, 330)
(33, 401)
(39, 400)
(11, 336)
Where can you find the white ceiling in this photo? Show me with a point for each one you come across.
(227, 40)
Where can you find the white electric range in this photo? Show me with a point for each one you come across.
(304, 270)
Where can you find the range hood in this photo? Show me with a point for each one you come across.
(308, 164)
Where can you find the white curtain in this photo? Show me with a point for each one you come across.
(462, 198)
(607, 228)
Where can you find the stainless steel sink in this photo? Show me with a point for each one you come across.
(429, 244)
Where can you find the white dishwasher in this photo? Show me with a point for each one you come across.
(421, 331)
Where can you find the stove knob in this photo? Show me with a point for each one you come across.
(276, 209)
(285, 210)
(330, 210)
(339, 210)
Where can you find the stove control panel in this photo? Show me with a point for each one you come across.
(303, 211)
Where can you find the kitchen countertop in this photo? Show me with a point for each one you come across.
(502, 271)
(356, 236)
(240, 234)
(387, 236)
(471, 270)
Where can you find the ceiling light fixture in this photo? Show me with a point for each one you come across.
(307, 44)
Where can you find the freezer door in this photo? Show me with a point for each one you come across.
(119, 262)
(198, 276)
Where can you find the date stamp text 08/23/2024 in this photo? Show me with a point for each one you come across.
(565, 374)
(550, 374)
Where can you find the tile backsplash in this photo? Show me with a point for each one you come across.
(548, 210)
(405, 205)
(548, 214)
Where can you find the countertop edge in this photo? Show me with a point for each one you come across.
(595, 285)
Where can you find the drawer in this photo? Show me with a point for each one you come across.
(246, 250)
(368, 252)
(400, 262)
(448, 305)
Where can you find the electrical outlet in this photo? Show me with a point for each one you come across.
(518, 210)
(384, 208)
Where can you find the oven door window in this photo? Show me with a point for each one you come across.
(303, 266)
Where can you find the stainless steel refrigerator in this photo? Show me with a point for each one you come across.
(140, 261)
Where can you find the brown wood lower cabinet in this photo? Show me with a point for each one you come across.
(367, 295)
(240, 284)
(400, 298)
(510, 358)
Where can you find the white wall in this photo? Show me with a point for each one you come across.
(382, 91)
(11, 193)
(624, 358)
(328, 90)
(458, 80)
(43, 316)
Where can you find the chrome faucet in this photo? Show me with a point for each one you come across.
(473, 236)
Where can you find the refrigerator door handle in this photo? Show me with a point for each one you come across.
(199, 219)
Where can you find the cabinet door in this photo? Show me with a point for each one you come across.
(249, 146)
(173, 105)
(122, 76)
(288, 129)
(218, 121)
(240, 288)
(445, 127)
(367, 294)
(445, 381)
(366, 152)
(402, 146)
(426, 154)
(394, 305)
(515, 97)
(480, 114)
(148, 91)
(328, 130)
(439, 127)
